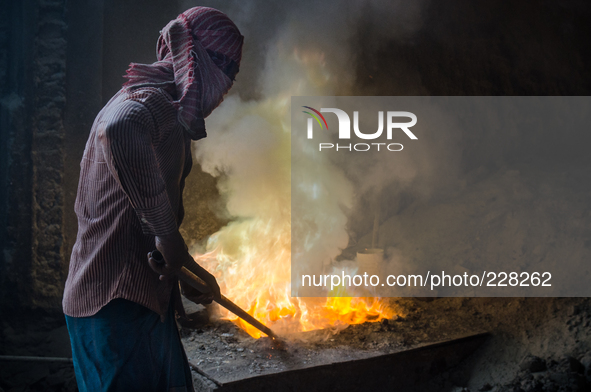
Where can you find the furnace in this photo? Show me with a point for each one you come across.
(379, 356)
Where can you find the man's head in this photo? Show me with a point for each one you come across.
(215, 32)
(200, 53)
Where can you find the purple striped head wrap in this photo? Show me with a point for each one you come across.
(199, 54)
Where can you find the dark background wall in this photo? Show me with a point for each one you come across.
(32, 133)
(60, 61)
(125, 40)
(15, 144)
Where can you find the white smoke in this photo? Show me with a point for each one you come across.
(302, 49)
(309, 50)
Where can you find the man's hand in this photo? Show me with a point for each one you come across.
(210, 280)
(175, 255)
(194, 295)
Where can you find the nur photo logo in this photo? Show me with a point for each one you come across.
(344, 131)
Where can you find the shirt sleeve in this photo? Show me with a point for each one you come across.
(128, 148)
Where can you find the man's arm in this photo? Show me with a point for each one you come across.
(128, 147)
(176, 248)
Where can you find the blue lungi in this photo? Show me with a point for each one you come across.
(126, 347)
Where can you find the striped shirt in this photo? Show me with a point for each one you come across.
(130, 190)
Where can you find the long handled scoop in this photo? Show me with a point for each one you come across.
(193, 280)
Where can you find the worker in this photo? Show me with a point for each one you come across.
(119, 303)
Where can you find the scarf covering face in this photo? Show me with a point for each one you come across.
(199, 54)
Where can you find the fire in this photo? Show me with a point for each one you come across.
(267, 298)
(251, 256)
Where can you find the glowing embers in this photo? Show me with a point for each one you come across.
(266, 296)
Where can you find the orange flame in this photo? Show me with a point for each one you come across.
(269, 301)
